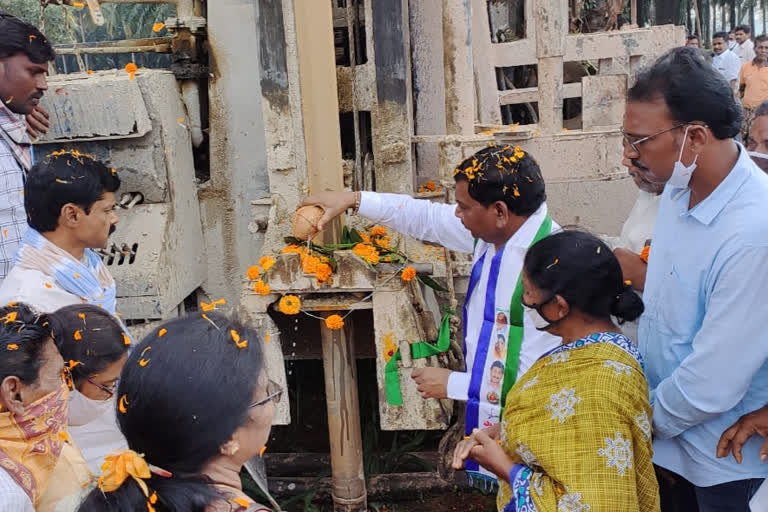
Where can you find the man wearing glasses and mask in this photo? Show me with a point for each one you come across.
(703, 344)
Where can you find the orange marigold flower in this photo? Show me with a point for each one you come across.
(261, 288)
(210, 306)
(162, 332)
(12, 346)
(383, 242)
(242, 502)
(122, 405)
(310, 264)
(323, 272)
(261, 452)
(126, 340)
(253, 272)
(236, 338)
(64, 436)
(266, 262)
(48, 285)
(10, 317)
(430, 185)
(131, 67)
(365, 237)
(390, 348)
(408, 274)
(289, 305)
(78, 335)
(367, 253)
(334, 322)
(267, 337)
(294, 249)
(378, 231)
(645, 253)
(72, 363)
(157, 27)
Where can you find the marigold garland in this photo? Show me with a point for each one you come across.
(289, 305)
(408, 274)
(334, 322)
(253, 272)
(323, 272)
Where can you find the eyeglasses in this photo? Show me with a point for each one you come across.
(634, 142)
(274, 392)
(109, 390)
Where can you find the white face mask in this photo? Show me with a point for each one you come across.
(539, 322)
(83, 410)
(732, 45)
(681, 175)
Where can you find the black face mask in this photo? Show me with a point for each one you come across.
(540, 322)
(112, 229)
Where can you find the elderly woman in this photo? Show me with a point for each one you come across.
(195, 401)
(33, 409)
(576, 431)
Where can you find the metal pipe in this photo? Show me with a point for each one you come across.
(155, 44)
(348, 480)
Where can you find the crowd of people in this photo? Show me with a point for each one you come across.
(580, 394)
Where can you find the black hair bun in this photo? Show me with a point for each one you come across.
(628, 306)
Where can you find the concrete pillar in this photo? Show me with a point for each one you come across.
(551, 29)
(459, 77)
(237, 148)
(348, 481)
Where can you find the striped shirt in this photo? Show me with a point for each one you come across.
(15, 160)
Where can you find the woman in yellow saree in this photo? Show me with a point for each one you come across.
(575, 434)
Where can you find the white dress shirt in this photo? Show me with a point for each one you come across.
(12, 496)
(745, 51)
(727, 64)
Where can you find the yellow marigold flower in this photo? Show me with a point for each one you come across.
(253, 272)
(390, 348)
(261, 288)
(383, 242)
(236, 338)
(430, 185)
(162, 332)
(323, 272)
(365, 237)
(126, 340)
(78, 335)
(367, 253)
(266, 263)
(157, 27)
(408, 274)
(210, 306)
(334, 322)
(378, 231)
(10, 317)
(12, 346)
(289, 305)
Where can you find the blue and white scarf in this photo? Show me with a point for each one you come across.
(88, 278)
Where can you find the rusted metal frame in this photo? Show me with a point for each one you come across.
(148, 45)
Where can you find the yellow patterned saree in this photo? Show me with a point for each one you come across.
(578, 424)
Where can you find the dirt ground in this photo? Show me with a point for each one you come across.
(465, 501)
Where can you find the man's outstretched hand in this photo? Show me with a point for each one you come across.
(733, 439)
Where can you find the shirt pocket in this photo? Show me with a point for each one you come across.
(679, 310)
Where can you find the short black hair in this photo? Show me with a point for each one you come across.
(23, 334)
(720, 35)
(761, 110)
(760, 39)
(89, 335)
(682, 70)
(583, 270)
(21, 37)
(504, 173)
(184, 390)
(692, 37)
(64, 177)
(743, 28)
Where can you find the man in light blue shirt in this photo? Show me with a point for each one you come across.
(703, 333)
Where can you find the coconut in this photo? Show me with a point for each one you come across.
(305, 221)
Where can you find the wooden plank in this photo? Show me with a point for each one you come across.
(647, 41)
(531, 94)
(401, 485)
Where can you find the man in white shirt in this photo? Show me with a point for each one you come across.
(745, 48)
(500, 212)
(725, 61)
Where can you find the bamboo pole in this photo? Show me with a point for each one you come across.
(348, 480)
(633, 12)
(698, 20)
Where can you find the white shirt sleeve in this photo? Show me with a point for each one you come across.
(732, 67)
(458, 386)
(419, 218)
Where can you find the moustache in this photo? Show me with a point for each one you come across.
(637, 165)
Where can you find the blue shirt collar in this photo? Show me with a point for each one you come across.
(706, 211)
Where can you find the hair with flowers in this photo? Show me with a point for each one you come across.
(23, 334)
(179, 407)
(504, 173)
(88, 334)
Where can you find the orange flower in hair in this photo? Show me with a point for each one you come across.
(119, 466)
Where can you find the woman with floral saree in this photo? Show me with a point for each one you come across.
(575, 434)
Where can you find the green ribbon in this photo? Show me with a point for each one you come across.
(420, 350)
(515, 339)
